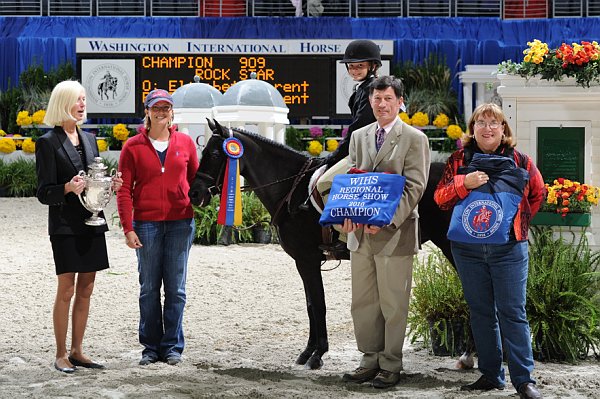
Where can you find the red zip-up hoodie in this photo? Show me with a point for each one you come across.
(151, 191)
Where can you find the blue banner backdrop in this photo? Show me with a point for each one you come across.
(462, 41)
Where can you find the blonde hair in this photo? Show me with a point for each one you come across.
(495, 111)
(64, 96)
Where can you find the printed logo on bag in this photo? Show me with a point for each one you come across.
(482, 218)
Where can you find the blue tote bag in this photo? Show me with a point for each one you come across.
(367, 198)
(486, 215)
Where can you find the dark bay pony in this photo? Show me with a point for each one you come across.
(279, 176)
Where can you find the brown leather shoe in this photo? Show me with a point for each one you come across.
(360, 375)
(386, 379)
(482, 384)
(529, 391)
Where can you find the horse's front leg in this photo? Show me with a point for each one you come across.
(318, 344)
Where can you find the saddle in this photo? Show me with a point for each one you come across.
(332, 247)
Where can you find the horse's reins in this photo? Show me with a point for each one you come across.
(303, 171)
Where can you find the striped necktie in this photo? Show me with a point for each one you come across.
(379, 138)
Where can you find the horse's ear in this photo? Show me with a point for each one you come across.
(221, 130)
(211, 124)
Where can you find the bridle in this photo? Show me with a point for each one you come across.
(216, 187)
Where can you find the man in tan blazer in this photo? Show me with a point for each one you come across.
(382, 258)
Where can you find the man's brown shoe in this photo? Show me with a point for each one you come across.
(360, 375)
(529, 391)
(386, 379)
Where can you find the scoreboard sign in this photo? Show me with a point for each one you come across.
(305, 72)
(304, 93)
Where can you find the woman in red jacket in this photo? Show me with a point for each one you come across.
(494, 276)
(158, 166)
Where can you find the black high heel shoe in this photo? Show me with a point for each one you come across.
(67, 370)
(90, 365)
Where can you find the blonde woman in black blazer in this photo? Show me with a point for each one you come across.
(79, 250)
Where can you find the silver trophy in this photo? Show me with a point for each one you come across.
(97, 192)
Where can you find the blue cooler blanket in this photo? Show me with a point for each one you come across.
(486, 215)
(367, 198)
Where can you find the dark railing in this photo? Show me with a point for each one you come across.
(507, 9)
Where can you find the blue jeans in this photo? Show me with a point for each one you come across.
(162, 260)
(494, 280)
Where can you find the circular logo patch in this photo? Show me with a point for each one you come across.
(233, 147)
(108, 85)
(482, 218)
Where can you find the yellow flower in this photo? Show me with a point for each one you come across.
(332, 145)
(7, 145)
(314, 147)
(441, 121)
(102, 145)
(29, 146)
(120, 132)
(454, 132)
(38, 117)
(23, 118)
(2, 133)
(404, 118)
(420, 119)
(18, 143)
(566, 196)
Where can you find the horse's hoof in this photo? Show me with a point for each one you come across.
(314, 363)
(465, 362)
(304, 356)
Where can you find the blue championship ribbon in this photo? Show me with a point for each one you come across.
(230, 212)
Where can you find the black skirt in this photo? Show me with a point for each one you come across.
(79, 253)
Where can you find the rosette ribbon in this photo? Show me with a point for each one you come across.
(230, 211)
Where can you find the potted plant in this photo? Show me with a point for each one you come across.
(580, 61)
(438, 312)
(567, 203)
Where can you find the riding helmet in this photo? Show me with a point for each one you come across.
(362, 50)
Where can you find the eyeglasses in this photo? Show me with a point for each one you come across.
(492, 125)
(165, 108)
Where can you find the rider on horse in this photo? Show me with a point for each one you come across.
(362, 59)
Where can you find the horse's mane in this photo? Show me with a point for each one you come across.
(265, 140)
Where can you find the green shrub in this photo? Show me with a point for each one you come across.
(562, 297)
(437, 302)
(428, 87)
(293, 138)
(207, 230)
(10, 103)
(19, 177)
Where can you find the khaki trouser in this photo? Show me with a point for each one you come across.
(380, 296)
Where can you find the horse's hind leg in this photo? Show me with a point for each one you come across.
(318, 344)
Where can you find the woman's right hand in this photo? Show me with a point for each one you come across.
(132, 240)
(475, 179)
(76, 185)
